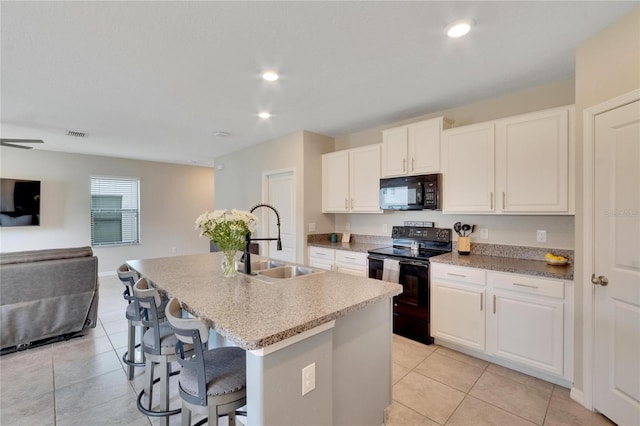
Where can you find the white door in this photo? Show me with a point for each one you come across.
(281, 194)
(616, 389)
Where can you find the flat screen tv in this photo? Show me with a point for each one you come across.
(19, 202)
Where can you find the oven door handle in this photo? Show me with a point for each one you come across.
(373, 257)
(408, 262)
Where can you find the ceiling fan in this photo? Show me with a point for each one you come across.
(13, 142)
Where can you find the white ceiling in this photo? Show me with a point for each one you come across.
(156, 80)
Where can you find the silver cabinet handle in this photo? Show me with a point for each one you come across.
(346, 206)
(494, 303)
(525, 285)
(491, 208)
(481, 296)
(503, 197)
(350, 258)
(352, 203)
(456, 275)
(601, 280)
(321, 254)
(404, 164)
(413, 163)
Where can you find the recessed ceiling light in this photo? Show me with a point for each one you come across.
(459, 28)
(264, 115)
(270, 76)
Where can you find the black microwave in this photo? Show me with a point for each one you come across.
(411, 193)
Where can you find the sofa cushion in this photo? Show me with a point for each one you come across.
(40, 255)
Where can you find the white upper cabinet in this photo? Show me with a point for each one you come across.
(533, 162)
(413, 149)
(335, 182)
(468, 168)
(364, 179)
(517, 165)
(351, 180)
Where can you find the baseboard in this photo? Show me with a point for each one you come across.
(578, 396)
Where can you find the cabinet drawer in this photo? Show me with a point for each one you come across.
(527, 285)
(458, 273)
(355, 258)
(322, 253)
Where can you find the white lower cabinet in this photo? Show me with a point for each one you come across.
(345, 261)
(322, 258)
(526, 321)
(455, 290)
(353, 263)
(523, 320)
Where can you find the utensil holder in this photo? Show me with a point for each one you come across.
(464, 245)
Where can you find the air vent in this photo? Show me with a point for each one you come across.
(76, 134)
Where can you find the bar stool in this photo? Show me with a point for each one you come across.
(214, 378)
(134, 317)
(159, 346)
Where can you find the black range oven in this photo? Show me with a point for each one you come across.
(407, 262)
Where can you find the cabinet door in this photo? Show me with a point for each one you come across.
(394, 152)
(364, 179)
(528, 330)
(424, 147)
(457, 314)
(533, 157)
(468, 169)
(358, 271)
(335, 178)
(321, 264)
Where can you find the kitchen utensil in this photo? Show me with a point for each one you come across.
(465, 229)
(473, 228)
(457, 227)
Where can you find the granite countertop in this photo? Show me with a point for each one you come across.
(253, 313)
(507, 264)
(351, 246)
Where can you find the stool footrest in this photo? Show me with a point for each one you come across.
(125, 359)
(152, 413)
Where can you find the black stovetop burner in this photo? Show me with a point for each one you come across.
(430, 241)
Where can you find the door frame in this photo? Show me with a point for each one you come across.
(585, 397)
(265, 197)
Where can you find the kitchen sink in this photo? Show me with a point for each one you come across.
(285, 272)
(259, 265)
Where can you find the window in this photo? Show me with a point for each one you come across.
(114, 211)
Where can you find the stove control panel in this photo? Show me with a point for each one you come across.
(423, 234)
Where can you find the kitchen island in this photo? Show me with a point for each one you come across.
(339, 323)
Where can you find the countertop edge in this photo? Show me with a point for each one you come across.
(277, 337)
(500, 264)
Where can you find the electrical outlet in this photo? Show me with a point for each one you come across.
(308, 378)
(174, 249)
(384, 228)
(312, 227)
(484, 233)
(347, 226)
(541, 236)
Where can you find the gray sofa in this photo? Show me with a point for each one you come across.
(47, 295)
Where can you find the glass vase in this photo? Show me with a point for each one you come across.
(229, 264)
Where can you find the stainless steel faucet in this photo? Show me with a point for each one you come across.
(247, 254)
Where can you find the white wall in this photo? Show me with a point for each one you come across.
(503, 229)
(607, 65)
(314, 146)
(171, 197)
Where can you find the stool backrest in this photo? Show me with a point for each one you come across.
(190, 331)
(149, 300)
(129, 278)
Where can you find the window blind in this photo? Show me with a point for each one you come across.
(114, 211)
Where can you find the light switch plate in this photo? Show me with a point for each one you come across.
(541, 236)
(308, 378)
(312, 227)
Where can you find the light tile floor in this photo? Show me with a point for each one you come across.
(83, 382)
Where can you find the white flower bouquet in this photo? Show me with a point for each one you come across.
(228, 231)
